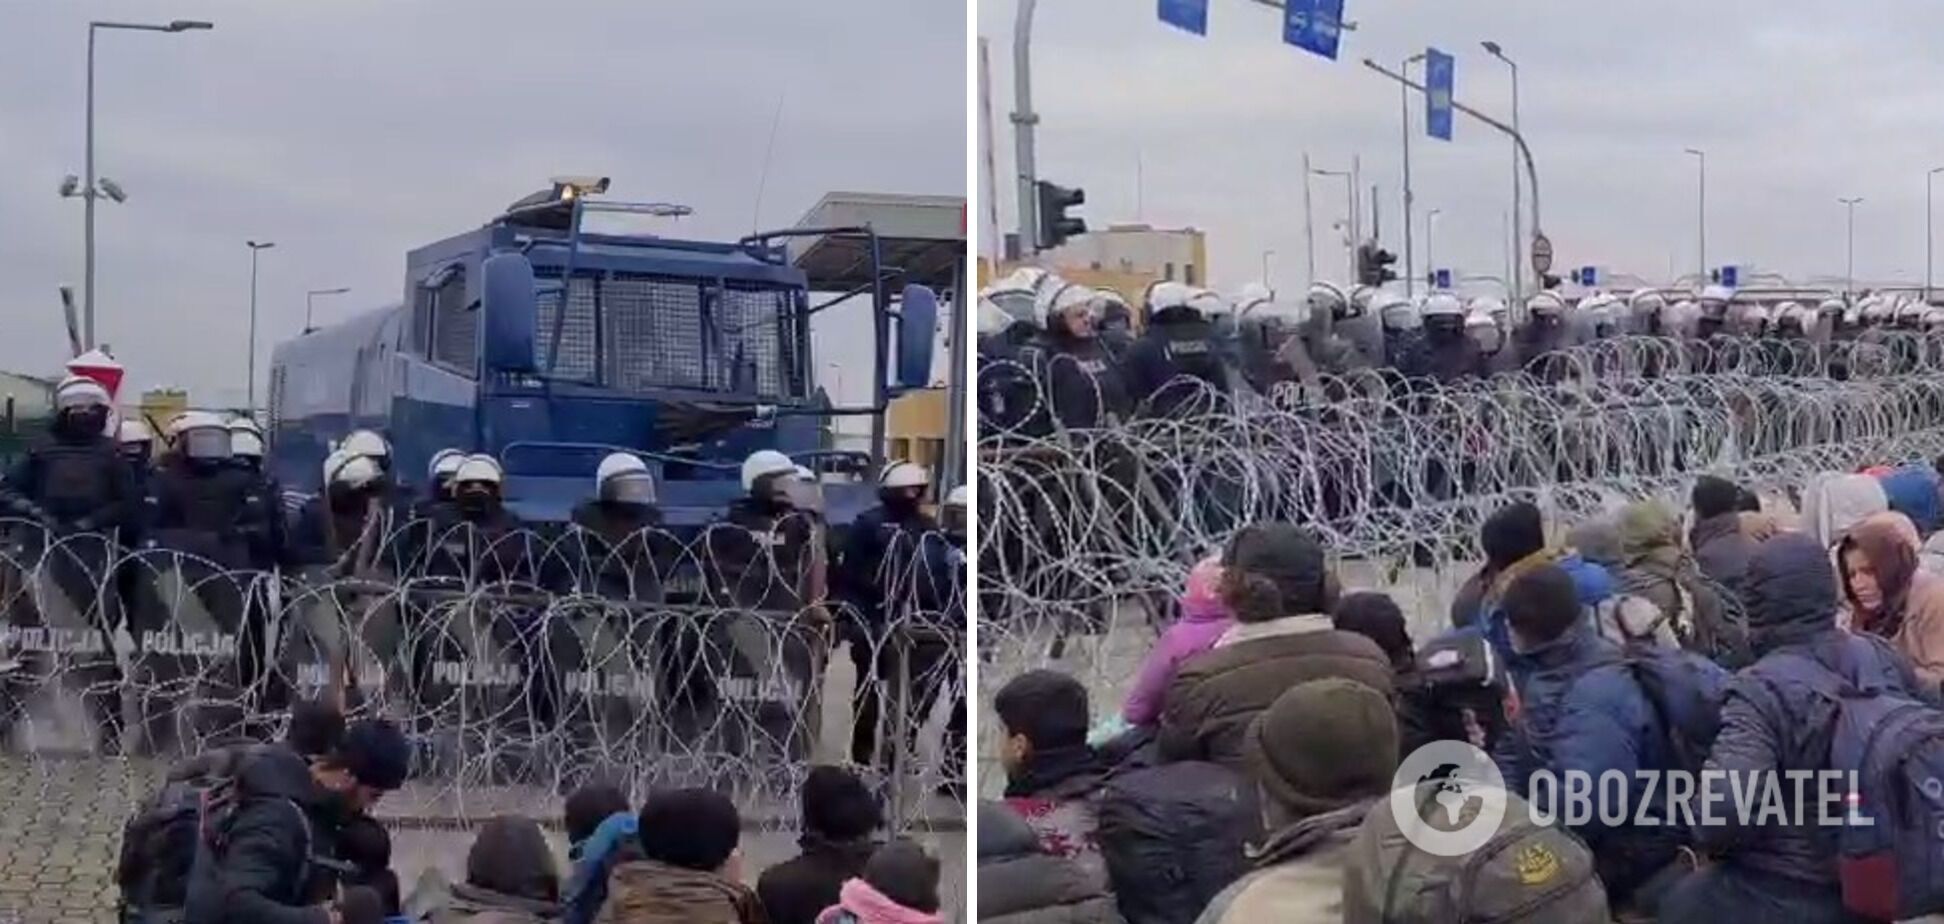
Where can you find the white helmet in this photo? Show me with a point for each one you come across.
(479, 468)
(1327, 300)
(1831, 306)
(1875, 310)
(1546, 304)
(762, 464)
(1792, 313)
(1716, 295)
(366, 443)
(1073, 296)
(958, 497)
(1209, 303)
(1934, 318)
(445, 464)
(1753, 317)
(1253, 294)
(1598, 309)
(350, 471)
(200, 435)
(243, 424)
(1166, 294)
(1009, 307)
(134, 431)
(623, 477)
(245, 444)
(1911, 312)
(902, 474)
(1484, 329)
(1491, 305)
(1443, 305)
(1645, 301)
(1395, 311)
(1026, 278)
(79, 391)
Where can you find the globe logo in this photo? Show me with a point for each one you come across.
(1448, 798)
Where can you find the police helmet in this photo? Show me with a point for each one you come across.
(1251, 296)
(244, 424)
(79, 391)
(1911, 313)
(1484, 329)
(764, 463)
(1443, 306)
(1009, 307)
(1546, 305)
(246, 445)
(479, 468)
(902, 474)
(1165, 294)
(623, 478)
(367, 443)
(445, 464)
(1715, 297)
(200, 435)
(1792, 316)
(134, 431)
(1875, 310)
(958, 498)
(353, 472)
(1395, 311)
(1645, 303)
(1934, 319)
(1208, 303)
(1327, 300)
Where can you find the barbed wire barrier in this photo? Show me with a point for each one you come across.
(1086, 537)
(548, 659)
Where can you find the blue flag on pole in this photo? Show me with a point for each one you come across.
(1316, 26)
(1438, 68)
(1186, 15)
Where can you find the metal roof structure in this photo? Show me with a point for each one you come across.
(921, 240)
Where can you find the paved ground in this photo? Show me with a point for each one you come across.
(61, 818)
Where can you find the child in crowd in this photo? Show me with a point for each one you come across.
(899, 886)
(1204, 617)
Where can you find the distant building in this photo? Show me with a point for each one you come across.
(25, 397)
(1177, 255)
(914, 427)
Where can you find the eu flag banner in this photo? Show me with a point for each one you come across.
(1186, 15)
(1316, 26)
(1438, 68)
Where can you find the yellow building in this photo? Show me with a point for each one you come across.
(1126, 259)
(914, 427)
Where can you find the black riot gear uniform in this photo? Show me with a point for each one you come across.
(1450, 355)
(1082, 386)
(1175, 362)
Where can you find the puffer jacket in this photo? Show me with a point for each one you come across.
(1579, 709)
(1912, 491)
(1021, 884)
(649, 892)
(268, 872)
(1204, 619)
(1721, 549)
(1298, 877)
(1216, 694)
(1772, 722)
(1833, 503)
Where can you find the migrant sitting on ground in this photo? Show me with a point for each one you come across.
(839, 818)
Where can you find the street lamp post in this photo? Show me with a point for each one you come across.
(1430, 221)
(88, 207)
(1350, 201)
(256, 247)
(1849, 287)
(1404, 112)
(1265, 267)
(1497, 51)
(1929, 248)
(1701, 206)
(310, 304)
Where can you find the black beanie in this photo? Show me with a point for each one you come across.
(1048, 707)
(1713, 497)
(1512, 533)
(838, 806)
(590, 805)
(510, 855)
(903, 872)
(376, 753)
(694, 829)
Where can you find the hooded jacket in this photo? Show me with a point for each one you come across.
(798, 891)
(1912, 491)
(268, 870)
(1021, 884)
(1579, 709)
(1657, 569)
(861, 903)
(1299, 874)
(1772, 722)
(1833, 503)
(650, 892)
(1911, 609)
(1204, 618)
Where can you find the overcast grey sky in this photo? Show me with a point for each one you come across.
(349, 131)
(1796, 104)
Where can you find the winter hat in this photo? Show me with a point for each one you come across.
(838, 806)
(1511, 533)
(1714, 496)
(590, 805)
(1323, 745)
(903, 872)
(376, 753)
(510, 856)
(1597, 541)
(1048, 707)
(1646, 526)
(695, 829)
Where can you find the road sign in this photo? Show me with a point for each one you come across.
(1441, 279)
(1186, 15)
(1588, 276)
(1541, 254)
(1316, 26)
(1439, 69)
(1728, 276)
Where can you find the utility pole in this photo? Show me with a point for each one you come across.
(1701, 206)
(1518, 273)
(1024, 119)
(1849, 287)
(1929, 248)
(1404, 111)
(256, 247)
(1309, 225)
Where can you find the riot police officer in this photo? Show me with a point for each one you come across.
(1009, 396)
(1116, 323)
(477, 540)
(1450, 355)
(1544, 330)
(246, 453)
(624, 549)
(1714, 302)
(1644, 313)
(1404, 346)
(74, 480)
(1175, 363)
(137, 444)
(881, 545)
(764, 553)
(344, 525)
(201, 503)
(438, 482)
(1082, 385)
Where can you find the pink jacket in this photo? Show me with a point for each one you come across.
(1204, 617)
(858, 903)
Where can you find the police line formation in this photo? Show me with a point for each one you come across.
(174, 600)
(1115, 474)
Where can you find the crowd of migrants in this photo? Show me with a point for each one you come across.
(283, 832)
(1245, 773)
(171, 588)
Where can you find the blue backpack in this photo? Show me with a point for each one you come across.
(1892, 867)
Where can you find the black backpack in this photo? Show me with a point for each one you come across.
(160, 841)
(1173, 838)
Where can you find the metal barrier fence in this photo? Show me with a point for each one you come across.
(1087, 536)
(555, 660)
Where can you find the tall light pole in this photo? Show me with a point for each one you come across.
(1430, 221)
(1265, 267)
(1496, 51)
(1024, 119)
(1309, 227)
(1350, 202)
(1404, 113)
(1929, 248)
(256, 247)
(1849, 287)
(1701, 205)
(88, 207)
(310, 302)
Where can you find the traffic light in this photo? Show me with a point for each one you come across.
(1373, 265)
(1548, 281)
(1055, 225)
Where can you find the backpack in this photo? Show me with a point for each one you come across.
(160, 841)
(1525, 872)
(1173, 838)
(1891, 868)
(1707, 620)
(1686, 691)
